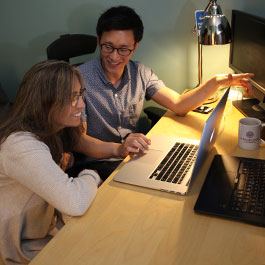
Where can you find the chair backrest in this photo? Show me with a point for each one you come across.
(70, 46)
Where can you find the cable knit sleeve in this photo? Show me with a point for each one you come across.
(28, 161)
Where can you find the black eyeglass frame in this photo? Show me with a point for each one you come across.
(118, 49)
(81, 94)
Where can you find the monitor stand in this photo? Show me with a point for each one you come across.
(250, 108)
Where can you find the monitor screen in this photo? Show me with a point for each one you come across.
(247, 52)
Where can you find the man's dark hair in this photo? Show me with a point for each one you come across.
(120, 18)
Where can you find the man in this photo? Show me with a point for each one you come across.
(117, 86)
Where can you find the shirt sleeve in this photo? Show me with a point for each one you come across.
(151, 80)
(29, 162)
(153, 86)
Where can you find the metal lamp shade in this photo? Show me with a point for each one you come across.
(215, 29)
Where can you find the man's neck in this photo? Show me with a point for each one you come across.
(114, 79)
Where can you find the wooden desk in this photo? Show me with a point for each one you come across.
(138, 226)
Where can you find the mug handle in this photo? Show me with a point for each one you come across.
(262, 142)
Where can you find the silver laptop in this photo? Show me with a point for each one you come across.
(172, 163)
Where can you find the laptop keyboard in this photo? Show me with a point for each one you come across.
(248, 195)
(176, 163)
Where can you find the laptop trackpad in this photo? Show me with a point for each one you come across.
(150, 157)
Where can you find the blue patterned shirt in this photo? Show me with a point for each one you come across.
(112, 113)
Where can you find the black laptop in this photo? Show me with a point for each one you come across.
(234, 188)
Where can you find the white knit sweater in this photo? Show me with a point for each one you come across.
(32, 186)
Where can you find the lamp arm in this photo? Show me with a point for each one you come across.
(208, 6)
(200, 46)
(204, 12)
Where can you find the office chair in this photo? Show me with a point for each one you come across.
(71, 45)
(154, 114)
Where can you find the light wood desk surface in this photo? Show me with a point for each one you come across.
(138, 226)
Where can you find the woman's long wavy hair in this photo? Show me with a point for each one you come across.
(46, 89)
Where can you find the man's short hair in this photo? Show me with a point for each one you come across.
(121, 18)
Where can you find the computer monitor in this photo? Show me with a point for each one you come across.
(247, 55)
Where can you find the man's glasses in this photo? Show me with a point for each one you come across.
(76, 97)
(107, 48)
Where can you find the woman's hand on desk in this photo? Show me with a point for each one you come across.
(235, 80)
(134, 143)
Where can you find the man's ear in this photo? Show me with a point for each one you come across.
(136, 46)
(98, 40)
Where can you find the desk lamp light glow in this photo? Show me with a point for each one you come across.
(215, 30)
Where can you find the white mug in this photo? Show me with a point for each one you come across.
(249, 133)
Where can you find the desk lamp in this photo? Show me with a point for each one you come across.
(215, 30)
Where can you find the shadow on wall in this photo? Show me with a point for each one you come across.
(87, 15)
(16, 60)
(13, 63)
(171, 46)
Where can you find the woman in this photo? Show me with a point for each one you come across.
(34, 191)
